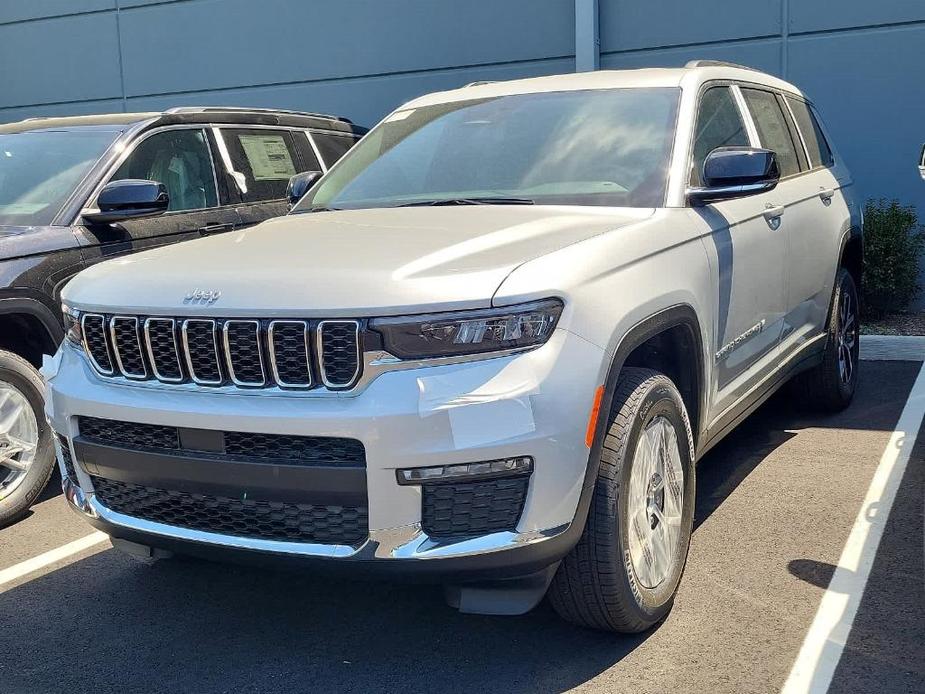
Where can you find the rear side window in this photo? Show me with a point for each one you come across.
(267, 159)
(819, 152)
(719, 124)
(772, 129)
(332, 147)
(180, 159)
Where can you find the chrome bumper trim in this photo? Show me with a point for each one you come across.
(406, 542)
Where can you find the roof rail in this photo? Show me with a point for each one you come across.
(478, 83)
(719, 63)
(244, 109)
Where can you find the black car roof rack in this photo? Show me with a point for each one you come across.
(243, 109)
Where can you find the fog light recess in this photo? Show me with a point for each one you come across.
(508, 467)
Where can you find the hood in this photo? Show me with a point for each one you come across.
(20, 241)
(344, 263)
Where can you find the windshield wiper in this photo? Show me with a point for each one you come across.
(469, 201)
(315, 209)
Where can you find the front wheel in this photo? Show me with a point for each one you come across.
(624, 572)
(27, 454)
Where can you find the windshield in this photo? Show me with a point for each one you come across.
(40, 169)
(598, 147)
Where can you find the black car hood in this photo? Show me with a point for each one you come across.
(19, 241)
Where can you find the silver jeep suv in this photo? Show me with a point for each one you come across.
(487, 347)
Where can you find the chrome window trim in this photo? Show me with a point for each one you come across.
(319, 343)
(746, 115)
(231, 373)
(796, 126)
(96, 365)
(115, 347)
(176, 349)
(186, 351)
(130, 149)
(314, 146)
(308, 354)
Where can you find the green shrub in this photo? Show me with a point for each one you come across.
(893, 242)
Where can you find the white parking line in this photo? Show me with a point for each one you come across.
(17, 571)
(822, 649)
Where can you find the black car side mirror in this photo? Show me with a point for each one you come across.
(735, 172)
(129, 199)
(299, 185)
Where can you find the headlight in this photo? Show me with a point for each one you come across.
(73, 332)
(469, 332)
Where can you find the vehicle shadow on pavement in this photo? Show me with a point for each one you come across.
(885, 650)
(108, 623)
(782, 417)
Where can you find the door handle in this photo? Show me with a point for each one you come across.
(773, 212)
(826, 195)
(210, 229)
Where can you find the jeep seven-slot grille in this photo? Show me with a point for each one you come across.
(291, 354)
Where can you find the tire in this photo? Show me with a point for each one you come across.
(824, 387)
(598, 585)
(19, 380)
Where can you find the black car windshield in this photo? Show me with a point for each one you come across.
(591, 147)
(40, 169)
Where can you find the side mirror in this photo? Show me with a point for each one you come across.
(922, 164)
(735, 172)
(299, 185)
(129, 199)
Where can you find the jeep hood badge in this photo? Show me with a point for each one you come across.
(202, 296)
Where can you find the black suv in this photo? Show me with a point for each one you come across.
(74, 191)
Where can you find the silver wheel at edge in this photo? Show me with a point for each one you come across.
(846, 338)
(19, 438)
(655, 503)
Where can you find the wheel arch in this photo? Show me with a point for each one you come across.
(28, 328)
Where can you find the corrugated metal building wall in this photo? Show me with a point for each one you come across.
(860, 60)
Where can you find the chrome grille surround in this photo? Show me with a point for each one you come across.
(231, 353)
(195, 374)
(275, 360)
(95, 342)
(259, 355)
(173, 351)
(331, 373)
(132, 363)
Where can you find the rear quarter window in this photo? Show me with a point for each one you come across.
(820, 154)
(332, 147)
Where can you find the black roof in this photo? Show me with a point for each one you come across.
(191, 114)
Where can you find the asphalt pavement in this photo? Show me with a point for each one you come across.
(776, 502)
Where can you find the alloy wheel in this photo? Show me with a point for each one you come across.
(847, 338)
(655, 503)
(19, 438)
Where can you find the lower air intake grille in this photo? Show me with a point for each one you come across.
(465, 509)
(128, 434)
(263, 520)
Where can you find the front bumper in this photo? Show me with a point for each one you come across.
(532, 404)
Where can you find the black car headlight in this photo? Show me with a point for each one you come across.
(73, 331)
(469, 332)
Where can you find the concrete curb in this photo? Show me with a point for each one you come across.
(892, 348)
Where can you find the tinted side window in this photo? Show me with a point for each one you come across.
(719, 124)
(332, 147)
(819, 152)
(266, 158)
(772, 129)
(179, 159)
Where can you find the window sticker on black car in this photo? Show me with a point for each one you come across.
(268, 156)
